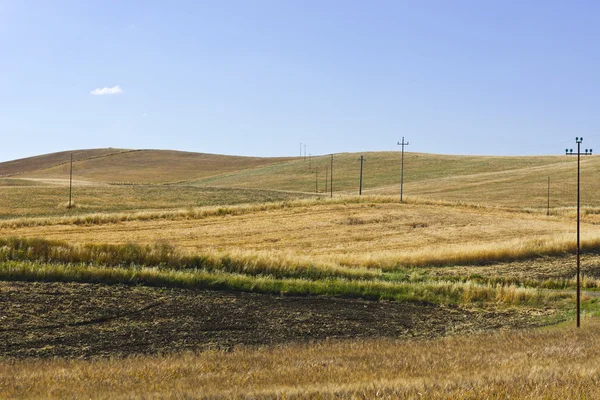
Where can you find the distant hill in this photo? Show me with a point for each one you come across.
(36, 163)
(510, 181)
(506, 181)
(132, 166)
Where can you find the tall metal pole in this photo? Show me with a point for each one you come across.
(331, 177)
(578, 140)
(71, 181)
(578, 248)
(402, 170)
(361, 169)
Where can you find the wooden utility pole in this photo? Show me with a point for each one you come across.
(402, 169)
(331, 177)
(548, 210)
(361, 170)
(71, 181)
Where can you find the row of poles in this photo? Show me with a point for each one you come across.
(361, 159)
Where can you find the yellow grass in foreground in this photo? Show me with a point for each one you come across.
(559, 362)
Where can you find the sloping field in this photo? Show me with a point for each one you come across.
(24, 198)
(380, 169)
(44, 161)
(137, 166)
(507, 181)
(522, 188)
(377, 233)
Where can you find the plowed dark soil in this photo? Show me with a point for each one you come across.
(87, 320)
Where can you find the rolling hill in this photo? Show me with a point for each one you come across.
(132, 166)
(507, 181)
(41, 162)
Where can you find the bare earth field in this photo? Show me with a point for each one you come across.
(87, 320)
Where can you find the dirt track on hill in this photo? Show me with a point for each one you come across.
(88, 320)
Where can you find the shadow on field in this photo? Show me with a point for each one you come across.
(87, 320)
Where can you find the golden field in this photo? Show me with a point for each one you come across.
(367, 232)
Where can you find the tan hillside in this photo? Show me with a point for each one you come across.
(148, 166)
(44, 161)
(507, 181)
(520, 182)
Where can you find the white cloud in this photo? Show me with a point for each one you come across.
(106, 90)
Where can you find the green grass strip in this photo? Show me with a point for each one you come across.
(432, 292)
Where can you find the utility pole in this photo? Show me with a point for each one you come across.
(569, 152)
(326, 178)
(71, 181)
(361, 169)
(402, 170)
(331, 177)
(548, 212)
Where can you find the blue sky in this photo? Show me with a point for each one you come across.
(260, 77)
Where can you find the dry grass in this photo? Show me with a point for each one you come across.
(380, 170)
(370, 232)
(31, 203)
(558, 363)
(29, 164)
(518, 182)
(152, 166)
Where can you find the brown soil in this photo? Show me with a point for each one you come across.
(88, 320)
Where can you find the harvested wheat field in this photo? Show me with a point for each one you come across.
(365, 232)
